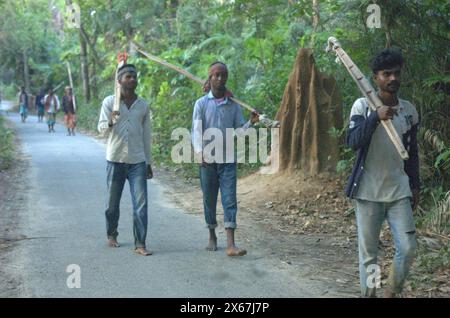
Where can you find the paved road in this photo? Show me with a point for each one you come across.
(65, 218)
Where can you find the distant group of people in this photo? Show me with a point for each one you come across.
(48, 105)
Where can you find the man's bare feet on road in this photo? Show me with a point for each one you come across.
(142, 251)
(212, 244)
(235, 251)
(113, 243)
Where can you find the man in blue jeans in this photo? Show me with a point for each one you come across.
(383, 185)
(216, 112)
(23, 104)
(128, 156)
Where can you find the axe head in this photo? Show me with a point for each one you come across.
(332, 44)
(268, 122)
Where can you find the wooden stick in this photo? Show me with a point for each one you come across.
(185, 73)
(71, 86)
(122, 60)
(266, 121)
(117, 88)
(369, 93)
(341, 272)
(58, 86)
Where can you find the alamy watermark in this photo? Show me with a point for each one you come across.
(74, 279)
(374, 18)
(215, 145)
(73, 16)
(374, 276)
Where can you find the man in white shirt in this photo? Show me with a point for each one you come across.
(128, 156)
(51, 105)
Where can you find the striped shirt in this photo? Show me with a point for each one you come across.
(221, 114)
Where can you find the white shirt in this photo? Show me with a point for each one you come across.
(54, 103)
(129, 139)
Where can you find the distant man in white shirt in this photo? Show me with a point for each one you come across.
(128, 156)
(51, 106)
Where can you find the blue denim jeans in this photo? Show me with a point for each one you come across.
(370, 217)
(23, 110)
(51, 119)
(117, 173)
(217, 176)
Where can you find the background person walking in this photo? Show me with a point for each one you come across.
(69, 111)
(51, 103)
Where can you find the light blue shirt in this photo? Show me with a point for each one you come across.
(209, 113)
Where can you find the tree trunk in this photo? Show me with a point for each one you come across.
(94, 80)
(388, 38)
(315, 20)
(26, 71)
(84, 69)
(316, 15)
(91, 46)
(310, 107)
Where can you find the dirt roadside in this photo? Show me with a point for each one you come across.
(13, 191)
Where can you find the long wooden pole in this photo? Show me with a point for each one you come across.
(69, 71)
(121, 60)
(262, 118)
(58, 86)
(369, 93)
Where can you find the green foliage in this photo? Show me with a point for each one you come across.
(26, 28)
(8, 92)
(443, 161)
(88, 114)
(6, 145)
(435, 260)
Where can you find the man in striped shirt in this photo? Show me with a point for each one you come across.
(216, 112)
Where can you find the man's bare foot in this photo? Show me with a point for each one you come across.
(235, 251)
(142, 251)
(113, 243)
(212, 244)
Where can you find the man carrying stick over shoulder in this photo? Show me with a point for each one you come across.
(128, 156)
(216, 111)
(384, 186)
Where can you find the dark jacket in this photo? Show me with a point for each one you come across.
(359, 137)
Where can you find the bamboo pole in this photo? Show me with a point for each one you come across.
(262, 118)
(69, 71)
(369, 93)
